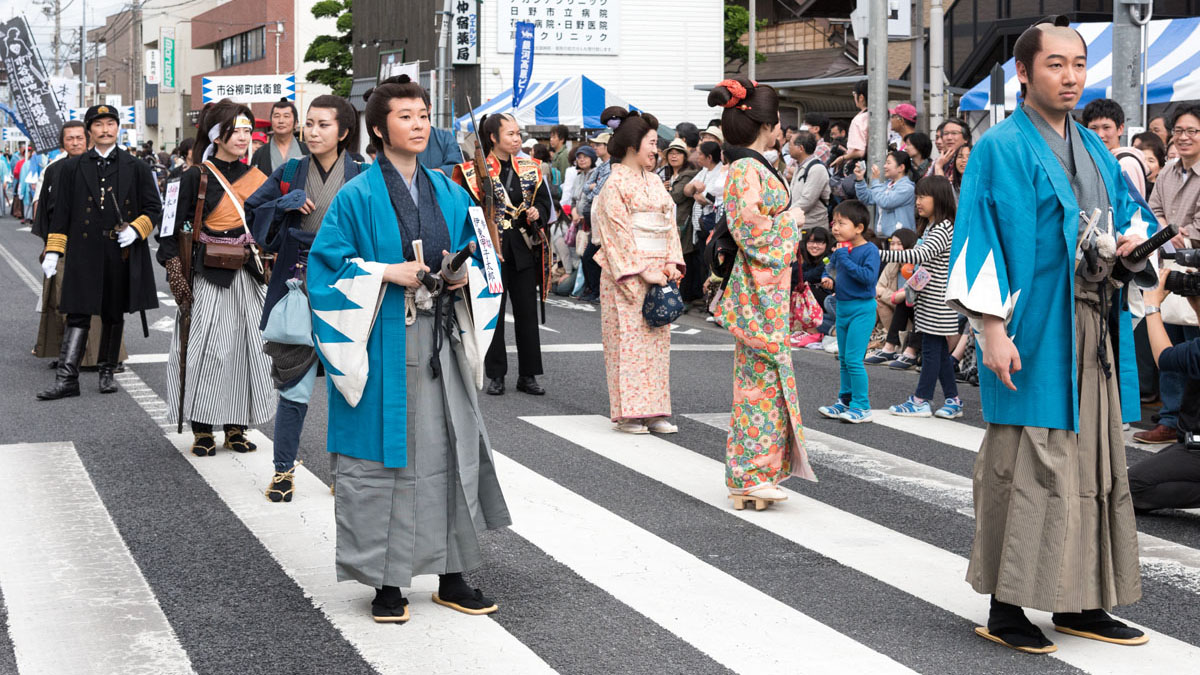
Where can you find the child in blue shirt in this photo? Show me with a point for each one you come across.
(857, 263)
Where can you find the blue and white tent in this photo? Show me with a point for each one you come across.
(574, 101)
(1172, 60)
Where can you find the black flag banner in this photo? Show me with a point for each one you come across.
(29, 85)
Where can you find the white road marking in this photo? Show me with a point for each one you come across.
(1166, 560)
(598, 347)
(25, 229)
(657, 578)
(147, 358)
(508, 318)
(910, 565)
(77, 602)
(165, 324)
(31, 282)
(301, 536)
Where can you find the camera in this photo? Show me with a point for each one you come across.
(1186, 284)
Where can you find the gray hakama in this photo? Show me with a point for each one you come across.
(424, 518)
(1054, 527)
(228, 376)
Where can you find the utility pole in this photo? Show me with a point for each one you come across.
(1129, 16)
(937, 105)
(916, 68)
(877, 84)
(83, 57)
(57, 35)
(753, 42)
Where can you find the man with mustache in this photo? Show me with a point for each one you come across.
(109, 206)
(1054, 523)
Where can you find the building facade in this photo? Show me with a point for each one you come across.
(651, 54)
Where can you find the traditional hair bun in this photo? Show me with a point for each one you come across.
(395, 79)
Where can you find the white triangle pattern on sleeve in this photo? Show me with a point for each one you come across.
(350, 358)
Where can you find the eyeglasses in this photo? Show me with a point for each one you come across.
(1190, 133)
(951, 132)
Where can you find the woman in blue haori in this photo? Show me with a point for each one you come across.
(1054, 518)
(413, 470)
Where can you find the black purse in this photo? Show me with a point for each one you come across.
(662, 305)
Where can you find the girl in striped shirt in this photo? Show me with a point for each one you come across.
(935, 205)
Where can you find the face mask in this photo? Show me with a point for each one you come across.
(771, 156)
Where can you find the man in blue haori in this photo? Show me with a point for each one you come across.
(413, 470)
(1043, 207)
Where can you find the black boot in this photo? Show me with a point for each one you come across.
(110, 354)
(66, 376)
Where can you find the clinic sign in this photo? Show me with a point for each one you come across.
(561, 26)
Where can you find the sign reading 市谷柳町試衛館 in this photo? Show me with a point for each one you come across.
(562, 26)
(249, 88)
(29, 85)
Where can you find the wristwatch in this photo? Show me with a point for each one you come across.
(1151, 309)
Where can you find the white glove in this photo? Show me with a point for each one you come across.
(50, 264)
(127, 236)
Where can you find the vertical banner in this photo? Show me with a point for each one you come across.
(166, 45)
(522, 61)
(29, 85)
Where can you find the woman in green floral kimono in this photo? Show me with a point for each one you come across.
(766, 439)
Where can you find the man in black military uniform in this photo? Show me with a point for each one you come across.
(109, 205)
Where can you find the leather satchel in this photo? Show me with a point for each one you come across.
(225, 256)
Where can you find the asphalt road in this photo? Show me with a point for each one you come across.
(624, 556)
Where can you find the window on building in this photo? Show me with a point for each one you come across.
(242, 48)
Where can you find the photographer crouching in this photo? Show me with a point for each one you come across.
(1171, 478)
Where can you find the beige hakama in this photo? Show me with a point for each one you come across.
(1054, 526)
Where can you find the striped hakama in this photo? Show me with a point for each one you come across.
(1054, 526)
(228, 376)
(424, 518)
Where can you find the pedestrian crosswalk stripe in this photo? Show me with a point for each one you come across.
(76, 600)
(1164, 560)
(301, 534)
(915, 567)
(950, 432)
(598, 347)
(674, 588)
(135, 359)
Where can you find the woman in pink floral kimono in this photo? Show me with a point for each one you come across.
(766, 439)
(634, 217)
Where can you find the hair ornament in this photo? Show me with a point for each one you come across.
(736, 90)
(614, 123)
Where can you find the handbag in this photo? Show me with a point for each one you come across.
(806, 312)
(290, 322)
(662, 305)
(225, 256)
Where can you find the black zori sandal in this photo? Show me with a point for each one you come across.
(235, 439)
(389, 606)
(453, 592)
(204, 445)
(1008, 626)
(1095, 624)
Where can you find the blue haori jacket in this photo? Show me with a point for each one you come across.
(358, 318)
(278, 231)
(1014, 257)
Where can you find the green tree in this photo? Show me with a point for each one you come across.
(333, 50)
(737, 23)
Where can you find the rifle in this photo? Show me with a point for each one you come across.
(487, 196)
(185, 313)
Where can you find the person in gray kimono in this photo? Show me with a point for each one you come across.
(413, 470)
(285, 214)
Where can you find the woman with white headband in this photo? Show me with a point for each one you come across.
(228, 377)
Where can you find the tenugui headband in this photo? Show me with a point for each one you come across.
(241, 122)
